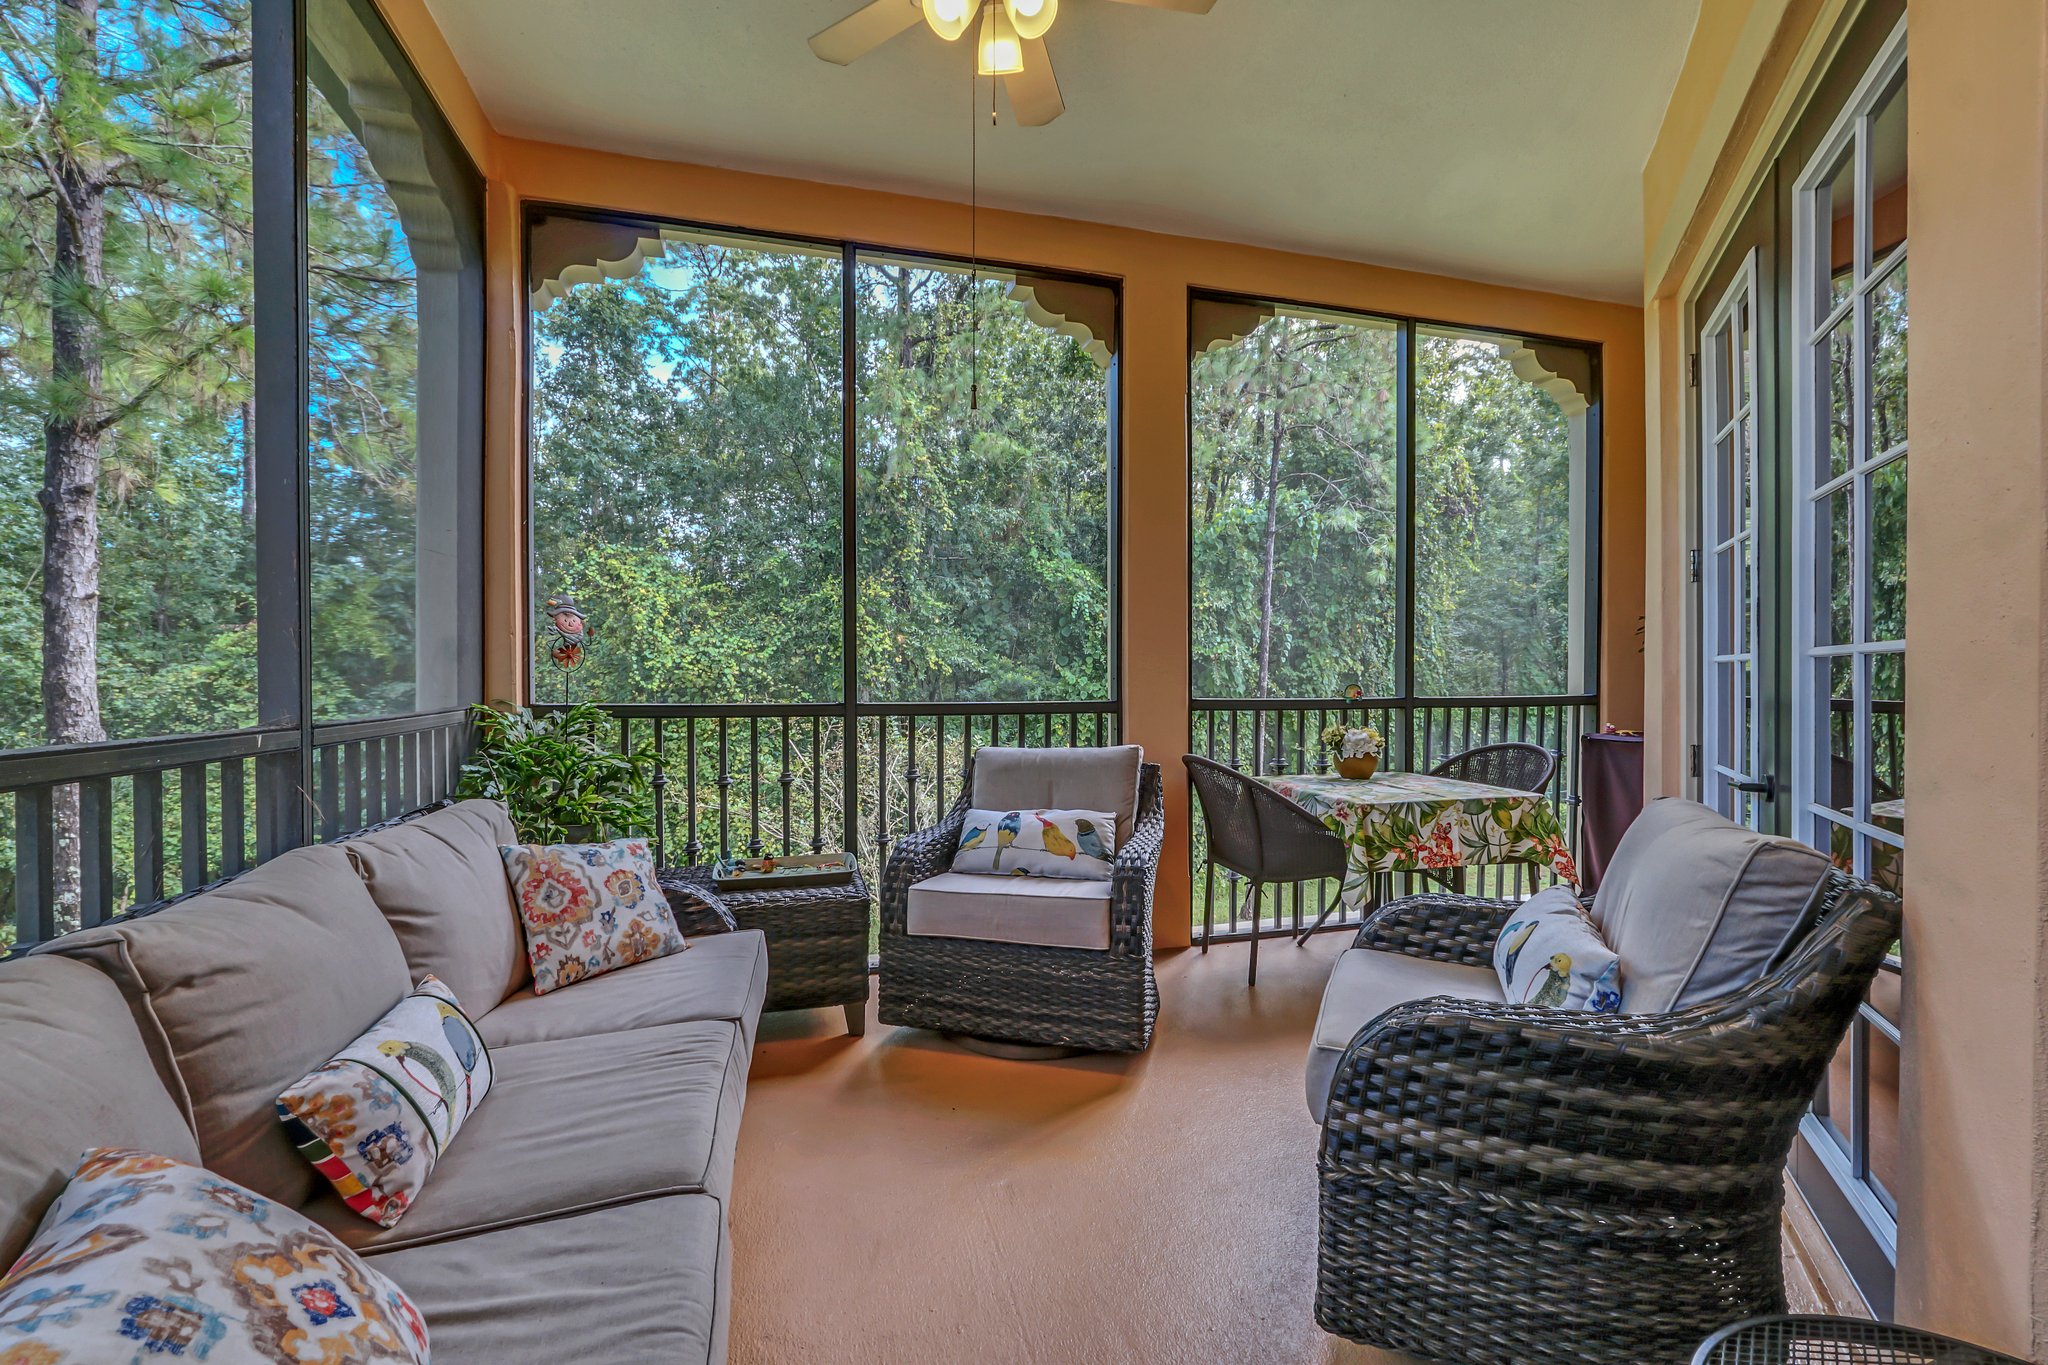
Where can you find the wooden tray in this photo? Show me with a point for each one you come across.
(819, 869)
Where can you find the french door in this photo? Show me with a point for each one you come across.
(1801, 444)
(1732, 763)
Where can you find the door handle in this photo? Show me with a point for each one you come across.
(1768, 788)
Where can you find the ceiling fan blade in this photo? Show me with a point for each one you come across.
(1184, 6)
(1035, 91)
(864, 30)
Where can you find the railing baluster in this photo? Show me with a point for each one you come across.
(786, 779)
(408, 783)
(724, 789)
(882, 786)
(374, 808)
(233, 820)
(660, 782)
(352, 785)
(693, 849)
(35, 866)
(149, 837)
(911, 775)
(192, 826)
(95, 850)
(817, 784)
(754, 846)
(327, 789)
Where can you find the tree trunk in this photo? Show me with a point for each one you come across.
(1269, 553)
(73, 440)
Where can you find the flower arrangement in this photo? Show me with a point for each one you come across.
(1355, 749)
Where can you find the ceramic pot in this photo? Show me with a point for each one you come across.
(1358, 768)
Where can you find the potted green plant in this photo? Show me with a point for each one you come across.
(561, 773)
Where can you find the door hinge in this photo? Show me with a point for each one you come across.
(1694, 761)
(1692, 558)
(1692, 369)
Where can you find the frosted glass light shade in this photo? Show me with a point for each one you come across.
(1032, 17)
(1001, 51)
(950, 18)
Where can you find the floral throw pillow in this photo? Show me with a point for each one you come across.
(589, 909)
(143, 1258)
(1550, 953)
(1038, 843)
(376, 1119)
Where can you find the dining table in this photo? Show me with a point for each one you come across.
(1421, 822)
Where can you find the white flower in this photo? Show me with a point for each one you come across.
(1361, 743)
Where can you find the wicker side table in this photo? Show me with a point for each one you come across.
(817, 942)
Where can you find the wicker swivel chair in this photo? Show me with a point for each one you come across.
(1072, 998)
(1509, 1185)
(1260, 835)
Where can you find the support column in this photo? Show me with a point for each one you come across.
(1154, 578)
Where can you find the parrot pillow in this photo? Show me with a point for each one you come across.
(376, 1118)
(1038, 843)
(1550, 953)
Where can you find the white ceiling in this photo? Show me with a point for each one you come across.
(1498, 140)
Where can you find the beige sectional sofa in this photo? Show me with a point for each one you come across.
(580, 1214)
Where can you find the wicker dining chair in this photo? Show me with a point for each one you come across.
(1096, 1000)
(1812, 1339)
(1260, 835)
(1511, 1185)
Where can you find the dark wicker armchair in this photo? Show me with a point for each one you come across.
(1509, 1184)
(1515, 765)
(1098, 1000)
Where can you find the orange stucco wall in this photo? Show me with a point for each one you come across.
(1157, 271)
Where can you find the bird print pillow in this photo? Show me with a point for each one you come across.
(1550, 953)
(146, 1258)
(1038, 843)
(376, 1119)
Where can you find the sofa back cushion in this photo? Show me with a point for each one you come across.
(1697, 906)
(1066, 779)
(441, 884)
(243, 990)
(77, 1076)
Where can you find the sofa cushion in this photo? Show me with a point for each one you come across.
(144, 1258)
(1364, 984)
(724, 976)
(647, 1281)
(77, 1076)
(1697, 906)
(1045, 911)
(579, 1123)
(243, 990)
(1071, 779)
(441, 884)
(376, 1120)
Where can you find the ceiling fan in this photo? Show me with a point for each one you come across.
(1011, 43)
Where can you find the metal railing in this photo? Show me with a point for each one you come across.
(736, 781)
(90, 832)
(1282, 736)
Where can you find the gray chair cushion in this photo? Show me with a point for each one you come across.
(645, 1281)
(1050, 912)
(577, 1124)
(1697, 906)
(724, 977)
(244, 990)
(1062, 779)
(1365, 984)
(441, 883)
(77, 1076)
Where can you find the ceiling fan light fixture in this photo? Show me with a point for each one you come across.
(949, 18)
(1032, 18)
(1000, 51)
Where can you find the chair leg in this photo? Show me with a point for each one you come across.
(1251, 905)
(1328, 910)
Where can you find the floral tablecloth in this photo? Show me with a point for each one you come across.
(1407, 822)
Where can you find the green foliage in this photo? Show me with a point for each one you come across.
(561, 770)
(1295, 541)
